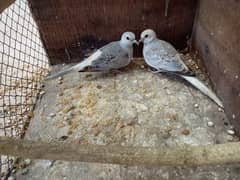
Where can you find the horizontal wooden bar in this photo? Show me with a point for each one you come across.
(148, 156)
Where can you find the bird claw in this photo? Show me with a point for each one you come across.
(154, 71)
(116, 71)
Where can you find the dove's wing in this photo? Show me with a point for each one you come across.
(113, 56)
(110, 56)
(164, 57)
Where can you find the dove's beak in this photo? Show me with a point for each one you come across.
(135, 42)
(141, 40)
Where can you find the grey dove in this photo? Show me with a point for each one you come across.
(114, 55)
(163, 57)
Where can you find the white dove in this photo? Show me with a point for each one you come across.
(163, 57)
(114, 55)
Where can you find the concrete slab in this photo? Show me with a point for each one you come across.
(133, 108)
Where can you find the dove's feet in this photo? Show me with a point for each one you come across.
(117, 71)
(154, 71)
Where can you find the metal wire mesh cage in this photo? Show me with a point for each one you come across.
(23, 64)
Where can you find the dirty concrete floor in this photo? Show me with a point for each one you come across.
(133, 108)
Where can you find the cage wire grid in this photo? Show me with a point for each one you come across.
(23, 65)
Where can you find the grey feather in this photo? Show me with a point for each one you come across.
(162, 56)
(112, 57)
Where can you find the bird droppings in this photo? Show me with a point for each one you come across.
(124, 113)
(142, 66)
(27, 162)
(196, 105)
(230, 132)
(52, 114)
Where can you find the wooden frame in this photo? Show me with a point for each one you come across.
(5, 4)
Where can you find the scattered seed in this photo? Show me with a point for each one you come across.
(225, 123)
(52, 114)
(99, 86)
(11, 178)
(135, 81)
(65, 118)
(220, 109)
(229, 137)
(119, 125)
(51, 163)
(96, 131)
(88, 75)
(185, 132)
(14, 171)
(94, 125)
(67, 109)
(230, 132)
(60, 94)
(27, 161)
(210, 124)
(42, 93)
(196, 105)
(63, 138)
(24, 171)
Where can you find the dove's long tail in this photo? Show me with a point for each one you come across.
(78, 67)
(203, 88)
(61, 73)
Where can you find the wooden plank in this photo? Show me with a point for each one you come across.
(148, 156)
(217, 38)
(5, 4)
(75, 27)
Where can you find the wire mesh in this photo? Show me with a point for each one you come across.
(23, 65)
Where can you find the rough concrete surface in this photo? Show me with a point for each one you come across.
(134, 108)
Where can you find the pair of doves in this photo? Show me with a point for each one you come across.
(158, 54)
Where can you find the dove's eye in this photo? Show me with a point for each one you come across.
(127, 38)
(146, 36)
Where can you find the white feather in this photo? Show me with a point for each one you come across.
(88, 61)
(78, 67)
(203, 88)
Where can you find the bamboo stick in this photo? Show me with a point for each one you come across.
(185, 155)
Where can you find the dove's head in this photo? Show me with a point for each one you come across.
(128, 39)
(148, 36)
